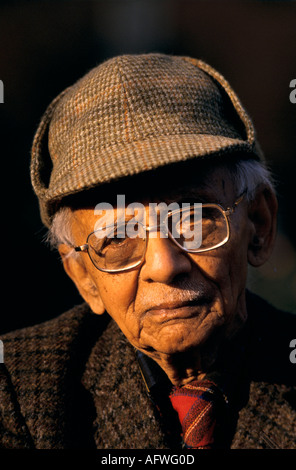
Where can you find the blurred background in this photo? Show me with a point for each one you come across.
(47, 45)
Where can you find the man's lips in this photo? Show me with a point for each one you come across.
(177, 310)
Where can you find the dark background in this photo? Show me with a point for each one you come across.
(47, 45)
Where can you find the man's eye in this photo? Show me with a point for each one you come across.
(116, 241)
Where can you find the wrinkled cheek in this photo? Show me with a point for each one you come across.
(215, 270)
(118, 293)
(223, 274)
(233, 285)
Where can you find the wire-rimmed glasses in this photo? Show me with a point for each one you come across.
(194, 229)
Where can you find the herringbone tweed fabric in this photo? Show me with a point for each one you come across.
(131, 114)
(73, 382)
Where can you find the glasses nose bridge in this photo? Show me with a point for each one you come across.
(157, 221)
(161, 261)
(161, 227)
(156, 227)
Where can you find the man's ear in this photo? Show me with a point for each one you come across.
(262, 214)
(77, 271)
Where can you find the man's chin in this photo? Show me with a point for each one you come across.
(181, 336)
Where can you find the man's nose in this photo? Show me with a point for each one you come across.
(164, 261)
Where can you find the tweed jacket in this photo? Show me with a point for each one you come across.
(74, 383)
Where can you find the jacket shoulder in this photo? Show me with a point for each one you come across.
(42, 365)
(52, 340)
(269, 418)
(69, 319)
(272, 331)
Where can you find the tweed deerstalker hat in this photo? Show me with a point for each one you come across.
(131, 114)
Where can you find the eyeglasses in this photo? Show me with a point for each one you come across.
(194, 229)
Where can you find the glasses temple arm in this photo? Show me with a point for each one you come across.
(81, 247)
(230, 210)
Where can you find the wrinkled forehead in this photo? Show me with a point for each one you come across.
(207, 182)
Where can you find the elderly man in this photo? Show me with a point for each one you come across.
(156, 194)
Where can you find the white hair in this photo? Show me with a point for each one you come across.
(247, 175)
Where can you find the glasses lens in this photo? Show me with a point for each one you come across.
(199, 228)
(118, 249)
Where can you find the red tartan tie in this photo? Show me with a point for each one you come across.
(198, 405)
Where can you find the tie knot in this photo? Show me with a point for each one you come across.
(200, 405)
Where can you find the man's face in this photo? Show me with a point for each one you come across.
(176, 301)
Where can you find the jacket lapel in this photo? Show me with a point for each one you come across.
(125, 416)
